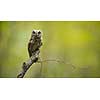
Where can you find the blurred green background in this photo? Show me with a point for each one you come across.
(75, 42)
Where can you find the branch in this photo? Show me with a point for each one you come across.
(26, 65)
(41, 67)
(55, 60)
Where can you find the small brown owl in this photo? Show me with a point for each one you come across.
(35, 42)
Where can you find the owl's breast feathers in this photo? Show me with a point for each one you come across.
(33, 46)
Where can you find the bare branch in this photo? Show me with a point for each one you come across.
(55, 60)
(26, 65)
(41, 67)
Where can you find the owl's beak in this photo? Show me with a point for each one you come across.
(38, 36)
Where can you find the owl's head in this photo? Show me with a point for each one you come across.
(37, 33)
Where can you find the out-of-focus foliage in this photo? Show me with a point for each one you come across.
(74, 42)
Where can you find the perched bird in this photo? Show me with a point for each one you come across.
(35, 42)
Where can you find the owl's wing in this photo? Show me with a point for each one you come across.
(30, 49)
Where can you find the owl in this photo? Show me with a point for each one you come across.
(35, 42)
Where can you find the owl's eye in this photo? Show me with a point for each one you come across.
(39, 32)
(33, 32)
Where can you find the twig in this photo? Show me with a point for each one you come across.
(41, 69)
(33, 59)
(59, 61)
(27, 65)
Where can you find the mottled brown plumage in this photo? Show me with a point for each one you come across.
(35, 42)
